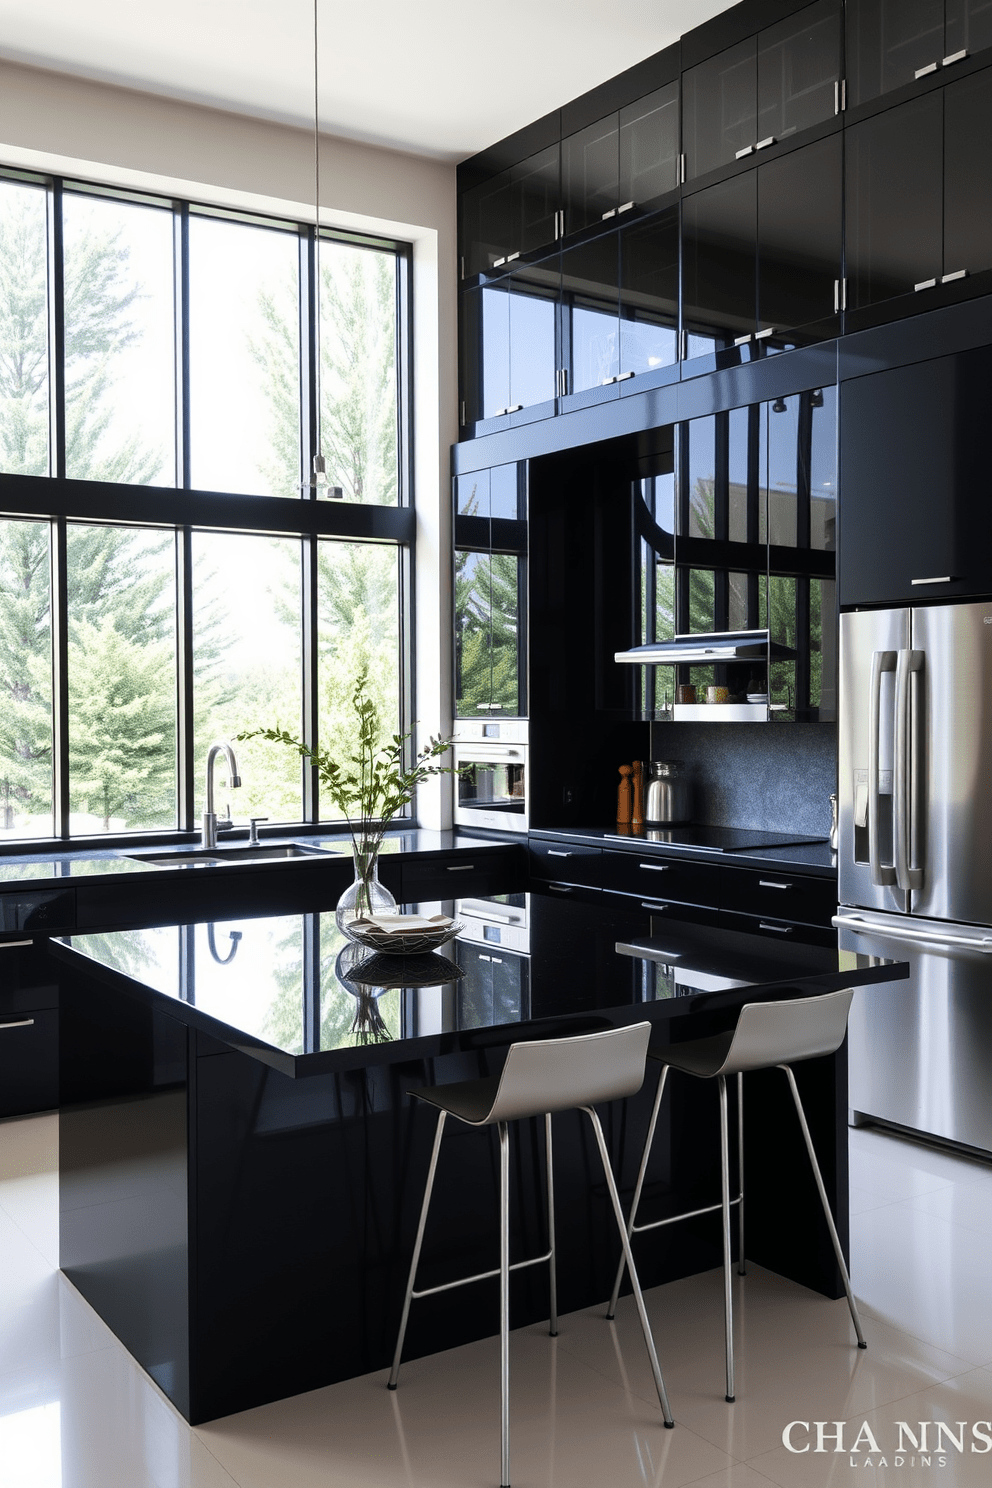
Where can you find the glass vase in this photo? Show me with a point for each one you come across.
(366, 895)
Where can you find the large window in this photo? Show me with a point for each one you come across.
(171, 571)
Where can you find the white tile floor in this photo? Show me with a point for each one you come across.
(76, 1412)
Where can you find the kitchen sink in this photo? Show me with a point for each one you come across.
(213, 857)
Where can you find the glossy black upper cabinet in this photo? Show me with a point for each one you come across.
(919, 201)
(509, 355)
(590, 314)
(719, 280)
(490, 536)
(625, 161)
(893, 202)
(916, 522)
(649, 299)
(761, 255)
(764, 89)
(800, 198)
(514, 213)
(892, 42)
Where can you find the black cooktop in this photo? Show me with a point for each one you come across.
(712, 839)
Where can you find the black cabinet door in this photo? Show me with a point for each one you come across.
(916, 522)
(590, 174)
(590, 313)
(720, 109)
(649, 295)
(799, 62)
(968, 174)
(536, 195)
(649, 148)
(800, 204)
(719, 288)
(515, 212)
(533, 335)
(894, 202)
(967, 26)
(889, 42)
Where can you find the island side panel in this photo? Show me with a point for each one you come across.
(123, 1231)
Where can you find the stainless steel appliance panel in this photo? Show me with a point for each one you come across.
(491, 786)
(951, 818)
(870, 642)
(920, 1049)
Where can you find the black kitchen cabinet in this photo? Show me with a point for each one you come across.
(625, 161)
(509, 343)
(919, 201)
(590, 313)
(893, 202)
(719, 274)
(490, 533)
(800, 200)
(890, 43)
(514, 213)
(916, 522)
(29, 1036)
(649, 298)
(762, 90)
(761, 255)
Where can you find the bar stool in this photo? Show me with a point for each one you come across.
(538, 1078)
(767, 1034)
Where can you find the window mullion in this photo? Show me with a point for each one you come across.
(56, 333)
(60, 677)
(181, 269)
(185, 737)
(310, 654)
(309, 371)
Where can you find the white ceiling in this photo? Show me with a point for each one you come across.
(436, 77)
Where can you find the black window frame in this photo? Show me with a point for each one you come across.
(183, 509)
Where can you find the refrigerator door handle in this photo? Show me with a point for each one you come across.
(864, 926)
(881, 873)
(907, 774)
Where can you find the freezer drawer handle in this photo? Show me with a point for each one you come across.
(21, 1023)
(881, 873)
(907, 932)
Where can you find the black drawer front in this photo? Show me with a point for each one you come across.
(661, 878)
(485, 872)
(565, 864)
(781, 896)
(558, 889)
(47, 910)
(663, 909)
(29, 1062)
(787, 931)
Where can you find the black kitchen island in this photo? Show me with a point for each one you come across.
(241, 1163)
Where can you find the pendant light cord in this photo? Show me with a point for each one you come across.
(317, 462)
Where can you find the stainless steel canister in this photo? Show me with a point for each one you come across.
(668, 798)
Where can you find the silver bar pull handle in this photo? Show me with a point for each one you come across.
(18, 1023)
(554, 852)
(881, 661)
(8, 945)
(654, 867)
(917, 769)
(936, 936)
(900, 772)
(779, 929)
(767, 883)
(459, 867)
(940, 579)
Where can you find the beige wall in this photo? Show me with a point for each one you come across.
(52, 121)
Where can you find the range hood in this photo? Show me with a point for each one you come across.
(724, 645)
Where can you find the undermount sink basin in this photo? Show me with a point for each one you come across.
(212, 857)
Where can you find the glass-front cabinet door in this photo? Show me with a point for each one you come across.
(800, 206)
(891, 43)
(514, 213)
(649, 299)
(625, 162)
(490, 578)
(720, 109)
(590, 314)
(719, 290)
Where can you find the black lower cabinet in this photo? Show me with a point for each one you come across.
(29, 1024)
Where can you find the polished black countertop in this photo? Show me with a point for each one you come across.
(51, 870)
(291, 992)
(814, 857)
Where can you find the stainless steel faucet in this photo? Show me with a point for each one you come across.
(208, 834)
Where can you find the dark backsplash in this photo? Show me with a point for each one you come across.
(777, 777)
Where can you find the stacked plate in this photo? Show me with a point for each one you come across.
(404, 935)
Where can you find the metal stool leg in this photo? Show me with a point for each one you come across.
(395, 1371)
(628, 1255)
(641, 1174)
(504, 1304)
(835, 1238)
(553, 1323)
(741, 1269)
(728, 1298)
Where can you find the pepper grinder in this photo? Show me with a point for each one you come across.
(624, 797)
(637, 810)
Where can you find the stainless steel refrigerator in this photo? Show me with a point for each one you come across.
(915, 862)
